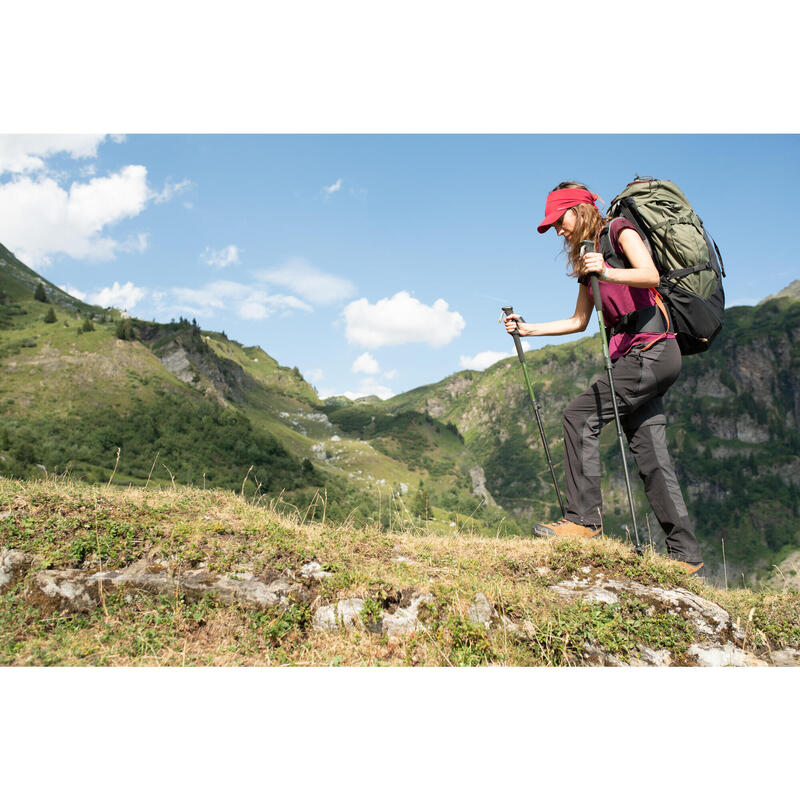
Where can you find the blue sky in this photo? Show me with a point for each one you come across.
(374, 263)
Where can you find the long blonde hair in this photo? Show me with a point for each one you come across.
(588, 224)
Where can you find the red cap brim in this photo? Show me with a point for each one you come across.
(549, 221)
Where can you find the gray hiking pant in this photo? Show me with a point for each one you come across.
(640, 380)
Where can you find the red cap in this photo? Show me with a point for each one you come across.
(560, 201)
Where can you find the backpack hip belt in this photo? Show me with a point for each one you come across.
(643, 320)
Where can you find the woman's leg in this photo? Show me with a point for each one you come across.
(584, 418)
(640, 380)
(646, 432)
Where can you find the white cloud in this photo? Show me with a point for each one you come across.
(244, 300)
(400, 320)
(390, 374)
(370, 386)
(333, 188)
(314, 375)
(366, 363)
(125, 296)
(38, 218)
(481, 361)
(71, 290)
(310, 283)
(134, 244)
(27, 152)
(42, 214)
(221, 258)
(170, 190)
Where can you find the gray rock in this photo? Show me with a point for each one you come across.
(74, 590)
(647, 657)
(786, 658)
(62, 590)
(324, 618)
(404, 621)
(596, 656)
(194, 584)
(482, 612)
(314, 570)
(142, 575)
(345, 612)
(708, 619)
(594, 594)
(479, 485)
(509, 625)
(13, 565)
(177, 362)
(727, 655)
(651, 658)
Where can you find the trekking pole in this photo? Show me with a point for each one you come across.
(536, 407)
(588, 247)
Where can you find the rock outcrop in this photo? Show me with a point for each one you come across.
(715, 638)
(75, 590)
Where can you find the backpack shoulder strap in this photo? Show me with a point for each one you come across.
(610, 255)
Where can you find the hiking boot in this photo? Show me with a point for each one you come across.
(691, 569)
(568, 529)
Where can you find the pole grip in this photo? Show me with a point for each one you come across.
(507, 310)
(587, 246)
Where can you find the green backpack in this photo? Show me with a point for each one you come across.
(686, 257)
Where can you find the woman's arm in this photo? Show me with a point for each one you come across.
(642, 273)
(575, 324)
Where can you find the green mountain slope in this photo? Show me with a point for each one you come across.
(178, 403)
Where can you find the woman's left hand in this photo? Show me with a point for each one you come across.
(591, 264)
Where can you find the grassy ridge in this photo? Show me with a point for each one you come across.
(70, 525)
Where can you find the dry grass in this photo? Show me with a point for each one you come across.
(65, 524)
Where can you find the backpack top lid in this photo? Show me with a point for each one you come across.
(649, 189)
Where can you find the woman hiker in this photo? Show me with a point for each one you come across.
(646, 362)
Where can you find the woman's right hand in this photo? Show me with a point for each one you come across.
(512, 325)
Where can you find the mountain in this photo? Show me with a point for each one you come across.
(95, 393)
(103, 397)
(792, 291)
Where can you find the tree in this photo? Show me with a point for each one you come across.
(40, 293)
(422, 504)
(50, 316)
(87, 326)
(125, 330)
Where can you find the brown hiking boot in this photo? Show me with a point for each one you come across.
(568, 529)
(690, 568)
